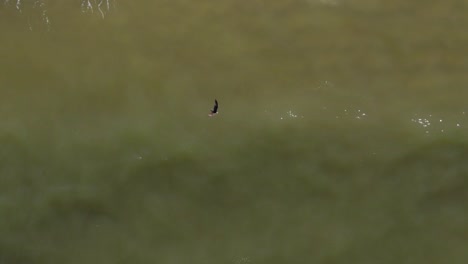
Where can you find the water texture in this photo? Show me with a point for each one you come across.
(341, 135)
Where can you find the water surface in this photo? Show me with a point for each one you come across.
(341, 136)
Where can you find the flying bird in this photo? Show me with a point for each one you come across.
(214, 111)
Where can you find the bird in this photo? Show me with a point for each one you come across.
(214, 111)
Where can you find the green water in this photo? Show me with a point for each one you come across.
(341, 137)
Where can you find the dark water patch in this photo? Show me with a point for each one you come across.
(15, 148)
(10, 254)
(161, 174)
(421, 196)
(76, 209)
(431, 168)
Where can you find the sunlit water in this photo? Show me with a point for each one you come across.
(340, 138)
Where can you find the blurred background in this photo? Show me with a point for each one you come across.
(341, 137)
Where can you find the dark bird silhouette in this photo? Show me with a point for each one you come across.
(214, 111)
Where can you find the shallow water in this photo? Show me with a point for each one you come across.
(341, 136)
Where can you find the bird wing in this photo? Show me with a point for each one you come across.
(215, 108)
